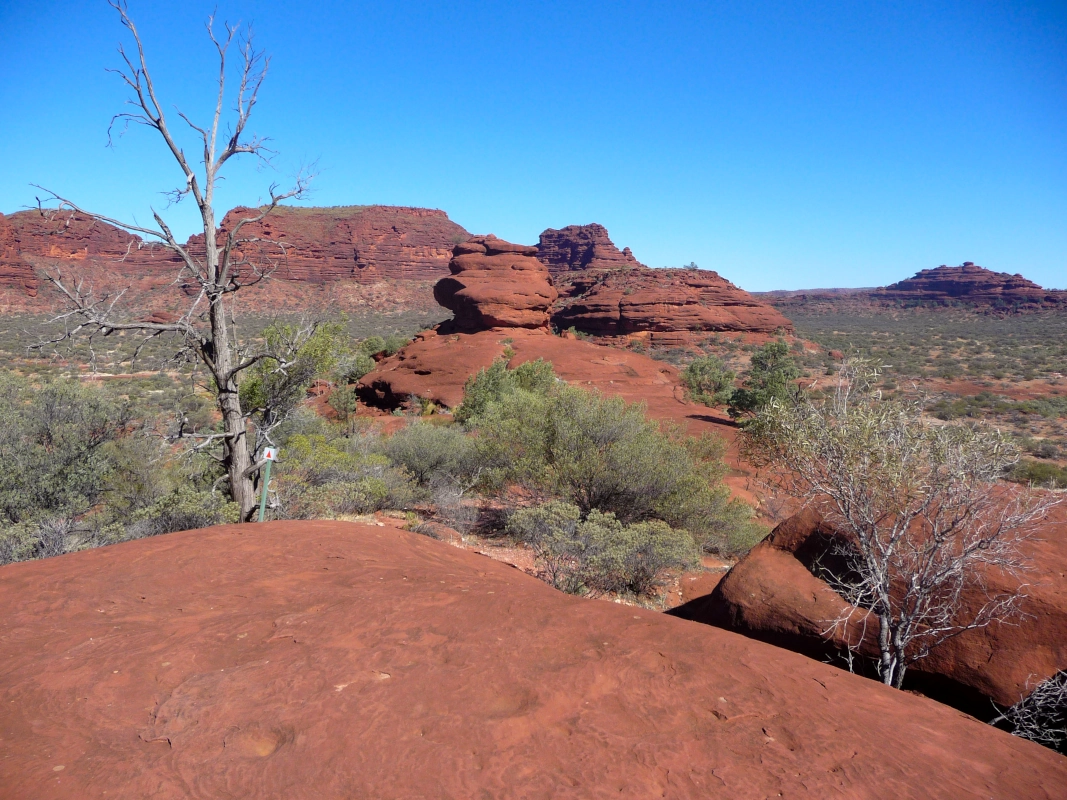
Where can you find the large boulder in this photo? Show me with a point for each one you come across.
(324, 659)
(581, 247)
(496, 284)
(773, 595)
(630, 301)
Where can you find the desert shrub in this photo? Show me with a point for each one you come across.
(181, 510)
(596, 553)
(372, 345)
(772, 375)
(1039, 473)
(709, 381)
(601, 453)
(344, 402)
(430, 451)
(394, 342)
(353, 366)
(491, 384)
(326, 476)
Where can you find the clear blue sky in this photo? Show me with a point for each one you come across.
(784, 144)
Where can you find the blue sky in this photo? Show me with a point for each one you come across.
(786, 145)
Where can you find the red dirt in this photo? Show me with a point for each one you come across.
(771, 595)
(326, 659)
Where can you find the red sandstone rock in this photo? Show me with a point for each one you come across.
(580, 247)
(360, 243)
(339, 660)
(772, 595)
(664, 300)
(496, 284)
(968, 283)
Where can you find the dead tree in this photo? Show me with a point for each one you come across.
(923, 521)
(229, 261)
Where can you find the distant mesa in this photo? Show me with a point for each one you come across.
(965, 285)
(582, 247)
(967, 282)
(496, 284)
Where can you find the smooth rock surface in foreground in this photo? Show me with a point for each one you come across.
(328, 659)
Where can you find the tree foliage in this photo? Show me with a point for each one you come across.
(771, 376)
(709, 381)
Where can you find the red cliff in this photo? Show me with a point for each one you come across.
(579, 247)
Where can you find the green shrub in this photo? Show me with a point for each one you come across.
(600, 453)
(1039, 473)
(491, 384)
(772, 375)
(181, 510)
(597, 553)
(429, 451)
(709, 381)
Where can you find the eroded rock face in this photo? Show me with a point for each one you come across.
(496, 284)
(969, 283)
(322, 659)
(355, 243)
(30, 240)
(642, 299)
(579, 247)
(772, 595)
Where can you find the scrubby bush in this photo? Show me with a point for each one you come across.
(493, 383)
(326, 476)
(1039, 473)
(709, 381)
(772, 375)
(181, 510)
(595, 552)
(600, 453)
(431, 451)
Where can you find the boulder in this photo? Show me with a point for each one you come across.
(496, 284)
(772, 595)
(581, 247)
(324, 659)
(630, 301)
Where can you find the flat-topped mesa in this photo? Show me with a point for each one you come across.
(496, 284)
(361, 243)
(32, 239)
(968, 283)
(578, 247)
(666, 300)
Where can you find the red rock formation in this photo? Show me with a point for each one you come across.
(772, 595)
(496, 284)
(968, 283)
(331, 659)
(579, 247)
(361, 243)
(31, 240)
(633, 300)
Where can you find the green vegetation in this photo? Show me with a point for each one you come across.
(709, 381)
(596, 553)
(772, 375)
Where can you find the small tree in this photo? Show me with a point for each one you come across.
(772, 376)
(229, 261)
(923, 519)
(709, 381)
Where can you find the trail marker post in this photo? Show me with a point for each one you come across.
(270, 455)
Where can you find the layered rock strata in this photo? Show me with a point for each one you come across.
(496, 284)
(630, 301)
(968, 283)
(581, 247)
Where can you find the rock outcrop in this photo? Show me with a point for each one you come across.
(968, 283)
(580, 247)
(353, 243)
(329, 659)
(772, 595)
(496, 284)
(629, 301)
